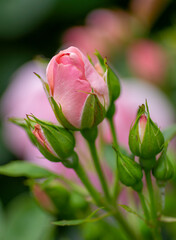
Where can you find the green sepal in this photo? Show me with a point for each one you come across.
(111, 78)
(130, 172)
(163, 170)
(46, 153)
(45, 85)
(153, 141)
(93, 112)
(101, 60)
(113, 83)
(60, 116)
(134, 139)
(61, 140)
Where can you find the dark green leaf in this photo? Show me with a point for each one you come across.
(26, 169)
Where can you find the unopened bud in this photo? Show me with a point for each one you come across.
(145, 138)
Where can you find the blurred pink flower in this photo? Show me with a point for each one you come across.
(25, 95)
(86, 38)
(148, 61)
(133, 94)
(105, 30)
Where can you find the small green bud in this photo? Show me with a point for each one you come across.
(130, 172)
(54, 142)
(52, 196)
(145, 138)
(56, 139)
(163, 170)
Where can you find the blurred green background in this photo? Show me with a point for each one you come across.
(29, 28)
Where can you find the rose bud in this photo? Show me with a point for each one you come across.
(163, 170)
(130, 172)
(54, 142)
(79, 94)
(51, 196)
(145, 138)
(56, 198)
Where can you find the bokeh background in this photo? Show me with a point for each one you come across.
(139, 40)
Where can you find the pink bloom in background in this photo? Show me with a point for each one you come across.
(105, 30)
(87, 39)
(133, 94)
(115, 25)
(71, 78)
(148, 61)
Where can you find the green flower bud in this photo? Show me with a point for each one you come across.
(130, 172)
(54, 142)
(54, 197)
(145, 138)
(51, 196)
(163, 170)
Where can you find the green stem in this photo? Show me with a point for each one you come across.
(116, 188)
(98, 168)
(101, 202)
(114, 135)
(144, 206)
(156, 231)
(85, 180)
(129, 231)
(162, 194)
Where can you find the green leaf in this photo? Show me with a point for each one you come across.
(167, 219)
(24, 220)
(25, 169)
(130, 210)
(81, 221)
(169, 133)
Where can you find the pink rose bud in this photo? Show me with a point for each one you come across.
(79, 93)
(142, 126)
(145, 138)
